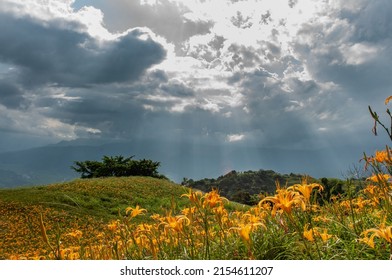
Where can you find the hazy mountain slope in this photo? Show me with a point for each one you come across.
(178, 160)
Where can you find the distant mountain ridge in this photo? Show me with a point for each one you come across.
(10, 178)
(179, 159)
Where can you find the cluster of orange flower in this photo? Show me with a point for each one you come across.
(200, 228)
(206, 228)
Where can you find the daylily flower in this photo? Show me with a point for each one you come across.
(176, 223)
(284, 200)
(194, 196)
(212, 199)
(324, 235)
(388, 99)
(244, 230)
(306, 189)
(113, 225)
(379, 178)
(76, 234)
(382, 232)
(135, 211)
(308, 234)
(368, 241)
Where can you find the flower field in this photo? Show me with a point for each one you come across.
(290, 224)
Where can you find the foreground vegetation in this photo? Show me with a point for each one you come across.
(156, 219)
(147, 218)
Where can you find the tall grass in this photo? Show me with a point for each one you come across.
(290, 224)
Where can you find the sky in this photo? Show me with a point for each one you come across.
(287, 75)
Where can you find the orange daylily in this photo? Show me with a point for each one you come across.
(382, 232)
(306, 189)
(212, 199)
(284, 200)
(176, 223)
(308, 234)
(324, 235)
(135, 211)
(379, 178)
(388, 99)
(194, 196)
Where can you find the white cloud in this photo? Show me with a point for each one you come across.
(359, 53)
(235, 137)
(36, 124)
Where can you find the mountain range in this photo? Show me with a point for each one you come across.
(51, 163)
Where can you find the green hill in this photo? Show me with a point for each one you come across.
(88, 205)
(84, 204)
(102, 198)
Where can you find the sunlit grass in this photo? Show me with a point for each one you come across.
(194, 225)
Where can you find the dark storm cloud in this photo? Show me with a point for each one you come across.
(113, 115)
(67, 56)
(120, 111)
(352, 48)
(128, 57)
(277, 117)
(11, 96)
(372, 21)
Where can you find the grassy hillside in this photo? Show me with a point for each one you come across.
(146, 218)
(88, 205)
(102, 198)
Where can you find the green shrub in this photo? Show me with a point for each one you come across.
(117, 166)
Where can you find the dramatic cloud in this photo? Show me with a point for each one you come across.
(238, 75)
(52, 53)
(44, 55)
(173, 20)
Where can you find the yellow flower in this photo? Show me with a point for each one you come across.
(368, 241)
(144, 228)
(113, 226)
(379, 178)
(244, 231)
(76, 234)
(135, 211)
(388, 99)
(193, 197)
(324, 235)
(252, 219)
(382, 232)
(284, 200)
(212, 199)
(305, 189)
(371, 190)
(189, 211)
(220, 211)
(176, 223)
(308, 234)
(382, 156)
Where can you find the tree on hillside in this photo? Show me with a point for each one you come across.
(117, 166)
